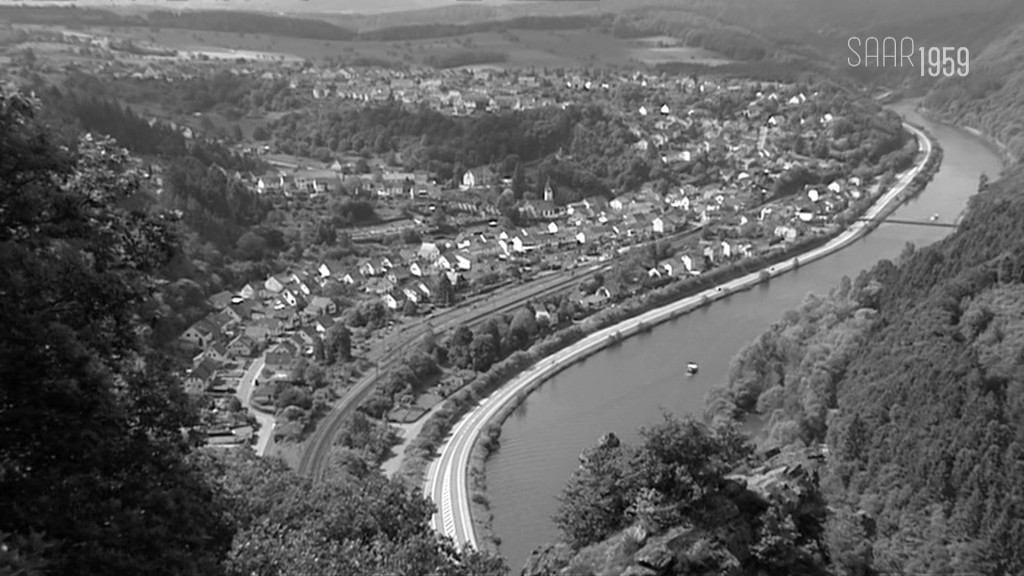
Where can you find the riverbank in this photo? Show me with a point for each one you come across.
(990, 140)
(908, 185)
(485, 445)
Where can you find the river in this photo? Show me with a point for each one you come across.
(627, 386)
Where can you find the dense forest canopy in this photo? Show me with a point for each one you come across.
(444, 144)
(911, 374)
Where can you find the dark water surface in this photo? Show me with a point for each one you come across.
(626, 387)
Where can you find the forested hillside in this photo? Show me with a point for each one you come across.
(912, 374)
(444, 145)
(225, 238)
(991, 97)
(99, 470)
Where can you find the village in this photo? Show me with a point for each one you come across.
(445, 240)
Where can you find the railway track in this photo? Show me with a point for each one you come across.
(314, 455)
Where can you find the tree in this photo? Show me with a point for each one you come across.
(445, 291)
(519, 185)
(409, 308)
(337, 344)
(594, 503)
(523, 329)
(439, 218)
(93, 454)
(354, 522)
(483, 351)
(236, 133)
(252, 246)
(566, 309)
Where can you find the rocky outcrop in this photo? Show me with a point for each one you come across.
(548, 560)
(724, 550)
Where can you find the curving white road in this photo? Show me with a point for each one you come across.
(447, 477)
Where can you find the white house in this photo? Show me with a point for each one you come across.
(658, 225)
(274, 284)
(428, 252)
(366, 268)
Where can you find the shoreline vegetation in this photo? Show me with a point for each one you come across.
(423, 449)
(995, 144)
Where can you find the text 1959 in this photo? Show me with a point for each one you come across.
(946, 61)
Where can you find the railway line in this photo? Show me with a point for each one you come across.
(314, 455)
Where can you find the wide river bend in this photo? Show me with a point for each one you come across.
(625, 387)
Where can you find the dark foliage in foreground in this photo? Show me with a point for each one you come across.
(98, 469)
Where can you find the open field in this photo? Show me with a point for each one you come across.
(524, 48)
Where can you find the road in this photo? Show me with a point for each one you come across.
(244, 393)
(469, 313)
(447, 480)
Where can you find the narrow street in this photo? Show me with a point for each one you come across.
(244, 393)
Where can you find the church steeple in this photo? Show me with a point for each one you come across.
(549, 194)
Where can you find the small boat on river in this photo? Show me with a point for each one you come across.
(692, 368)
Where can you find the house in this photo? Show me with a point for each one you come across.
(242, 347)
(241, 311)
(331, 269)
(280, 356)
(664, 225)
(323, 324)
(319, 306)
(316, 181)
(463, 262)
(275, 284)
(288, 298)
(541, 209)
(415, 270)
(249, 291)
(398, 276)
(597, 299)
(299, 343)
(201, 334)
(264, 329)
(221, 300)
(445, 262)
(366, 268)
(412, 295)
(393, 299)
(308, 335)
(201, 377)
(221, 321)
(428, 252)
(477, 178)
(217, 351)
(378, 286)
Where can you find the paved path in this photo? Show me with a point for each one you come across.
(245, 389)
